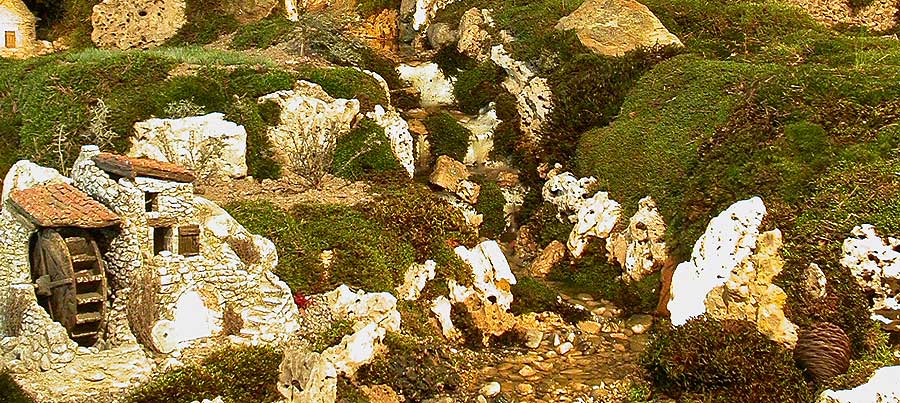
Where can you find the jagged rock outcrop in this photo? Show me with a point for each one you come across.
(641, 247)
(730, 274)
(126, 24)
(209, 145)
(474, 39)
(534, 99)
(441, 307)
(307, 377)
(567, 193)
(615, 27)
(596, 218)
(435, 89)
(415, 279)
(875, 265)
(882, 387)
(549, 257)
(378, 307)
(310, 122)
(397, 130)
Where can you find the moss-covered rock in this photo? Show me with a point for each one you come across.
(475, 88)
(594, 275)
(347, 83)
(447, 136)
(728, 360)
(365, 150)
(530, 295)
(238, 374)
(207, 20)
(416, 370)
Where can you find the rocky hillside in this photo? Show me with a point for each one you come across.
(480, 200)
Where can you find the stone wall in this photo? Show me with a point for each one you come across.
(127, 24)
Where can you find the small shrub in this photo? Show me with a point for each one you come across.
(238, 374)
(261, 162)
(490, 204)
(447, 136)
(182, 108)
(718, 359)
(451, 61)
(363, 151)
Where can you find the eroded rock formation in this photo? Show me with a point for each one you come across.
(126, 24)
(397, 130)
(435, 89)
(875, 264)
(641, 247)
(615, 27)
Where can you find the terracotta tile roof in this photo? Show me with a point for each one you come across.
(62, 205)
(132, 167)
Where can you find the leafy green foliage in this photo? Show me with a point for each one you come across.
(366, 255)
(348, 83)
(723, 359)
(263, 33)
(417, 370)
(238, 374)
(447, 136)
(490, 204)
(365, 150)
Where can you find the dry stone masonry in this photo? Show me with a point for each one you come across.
(875, 264)
(142, 24)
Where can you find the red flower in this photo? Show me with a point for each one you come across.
(301, 300)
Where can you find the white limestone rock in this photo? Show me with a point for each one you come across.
(730, 238)
(490, 271)
(414, 280)
(315, 376)
(641, 247)
(441, 308)
(534, 99)
(814, 282)
(397, 130)
(355, 350)
(435, 89)
(361, 307)
(875, 265)
(596, 219)
(730, 274)
(567, 193)
(425, 11)
(881, 388)
(209, 145)
(482, 140)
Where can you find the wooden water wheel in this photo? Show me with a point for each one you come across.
(70, 281)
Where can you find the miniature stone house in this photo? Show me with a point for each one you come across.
(17, 25)
(123, 253)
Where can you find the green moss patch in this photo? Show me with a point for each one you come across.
(238, 374)
(10, 391)
(416, 370)
(594, 275)
(475, 88)
(366, 256)
(364, 151)
(263, 33)
(447, 136)
(207, 20)
(348, 83)
(490, 205)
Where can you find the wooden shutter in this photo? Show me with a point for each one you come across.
(189, 240)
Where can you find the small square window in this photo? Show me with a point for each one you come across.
(189, 240)
(151, 202)
(162, 239)
(11, 39)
